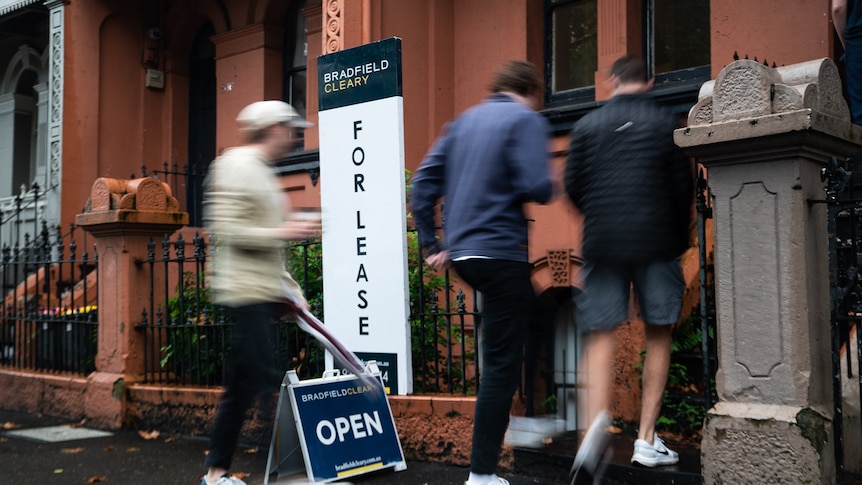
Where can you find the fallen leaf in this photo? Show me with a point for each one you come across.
(96, 479)
(251, 451)
(133, 449)
(148, 435)
(10, 425)
(170, 440)
(71, 451)
(109, 448)
(58, 471)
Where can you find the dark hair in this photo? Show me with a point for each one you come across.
(519, 77)
(629, 69)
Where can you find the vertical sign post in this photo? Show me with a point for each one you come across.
(363, 203)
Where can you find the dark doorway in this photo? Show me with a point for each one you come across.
(202, 119)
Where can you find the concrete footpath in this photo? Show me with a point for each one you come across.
(33, 450)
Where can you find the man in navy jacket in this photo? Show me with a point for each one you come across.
(488, 163)
(635, 189)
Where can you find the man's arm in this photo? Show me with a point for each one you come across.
(839, 17)
(427, 187)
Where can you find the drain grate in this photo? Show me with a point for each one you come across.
(56, 434)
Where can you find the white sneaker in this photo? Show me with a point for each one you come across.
(655, 454)
(495, 480)
(594, 445)
(225, 480)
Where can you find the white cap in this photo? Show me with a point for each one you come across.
(262, 114)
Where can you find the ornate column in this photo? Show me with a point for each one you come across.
(123, 216)
(56, 48)
(764, 135)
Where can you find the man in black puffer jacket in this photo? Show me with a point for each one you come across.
(634, 188)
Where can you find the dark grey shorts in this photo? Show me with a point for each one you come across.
(603, 302)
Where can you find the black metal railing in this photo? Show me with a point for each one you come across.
(186, 337)
(186, 185)
(48, 320)
(444, 335)
(694, 361)
(844, 228)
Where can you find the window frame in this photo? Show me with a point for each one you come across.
(289, 69)
(575, 96)
(668, 83)
(676, 89)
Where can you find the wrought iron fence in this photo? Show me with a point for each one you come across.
(844, 228)
(49, 319)
(186, 185)
(445, 341)
(186, 337)
(691, 388)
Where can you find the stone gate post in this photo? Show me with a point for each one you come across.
(123, 215)
(763, 134)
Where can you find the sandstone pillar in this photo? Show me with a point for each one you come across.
(123, 216)
(763, 134)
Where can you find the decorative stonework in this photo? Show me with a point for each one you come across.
(143, 194)
(559, 264)
(748, 89)
(55, 93)
(333, 27)
(117, 204)
(764, 134)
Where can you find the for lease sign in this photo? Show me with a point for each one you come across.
(363, 203)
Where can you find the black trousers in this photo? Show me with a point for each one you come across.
(249, 373)
(508, 297)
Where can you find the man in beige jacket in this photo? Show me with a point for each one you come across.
(249, 215)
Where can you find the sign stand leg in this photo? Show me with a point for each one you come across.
(285, 455)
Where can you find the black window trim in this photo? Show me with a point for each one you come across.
(676, 89)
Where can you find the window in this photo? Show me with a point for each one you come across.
(677, 37)
(295, 59)
(24, 134)
(573, 49)
(676, 47)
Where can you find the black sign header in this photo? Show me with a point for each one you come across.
(360, 74)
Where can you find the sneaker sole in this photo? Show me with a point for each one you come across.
(651, 463)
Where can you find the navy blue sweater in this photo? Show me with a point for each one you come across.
(488, 162)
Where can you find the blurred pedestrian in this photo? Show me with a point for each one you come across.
(249, 215)
(847, 19)
(489, 162)
(634, 187)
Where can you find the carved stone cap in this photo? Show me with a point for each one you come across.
(142, 201)
(747, 89)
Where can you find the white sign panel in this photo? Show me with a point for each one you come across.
(362, 180)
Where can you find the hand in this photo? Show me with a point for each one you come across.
(299, 229)
(439, 260)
